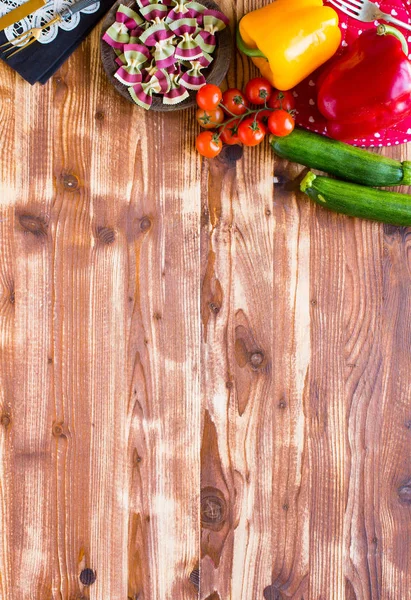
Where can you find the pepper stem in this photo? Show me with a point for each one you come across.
(384, 29)
(252, 52)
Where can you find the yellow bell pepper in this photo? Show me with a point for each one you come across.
(288, 39)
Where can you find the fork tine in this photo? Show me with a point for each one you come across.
(8, 43)
(12, 50)
(345, 8)
(27, 37)
(358, 3)
(10, 47)
(17, 39)
(22, 48)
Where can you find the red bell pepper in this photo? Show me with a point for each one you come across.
(368, 88)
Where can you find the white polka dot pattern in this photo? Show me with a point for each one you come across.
(305, 94)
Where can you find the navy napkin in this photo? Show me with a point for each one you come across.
(39, 62)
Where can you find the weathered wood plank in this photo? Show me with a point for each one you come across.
(292, 353)
(107, 325)
(252, 363)
(7, 390)
(170, 267)
(109, 382)
(363, 358)
(325, 410)
(391, 498)
(237, 371)
(32, 483)
(7, 304)
(218, 485)
(237, 313)
(391, 492)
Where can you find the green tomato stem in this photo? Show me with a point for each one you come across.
(246, 114)
(227, 109)
(241, 118)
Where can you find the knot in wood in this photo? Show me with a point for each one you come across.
(70, 182)
(256, 359)
(272, 592)
(99, 116)
(232, 153)
(136, 457)
(58, 430)
(404, 493)
(87, 577)
(195, 578)
(145, 224)
(5, 420)
(212, 510)
(282, 178)
(214, 308)
(34, 225)
(106, 235)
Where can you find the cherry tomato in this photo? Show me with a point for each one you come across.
(264, 115)
(229, 134)
(282, 100)
(209, 144)
(208, 119)
(235, 102)
(258, 91)
(251, 132)
(209, 97)
(281, 123)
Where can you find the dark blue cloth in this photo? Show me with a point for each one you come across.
(40, 61)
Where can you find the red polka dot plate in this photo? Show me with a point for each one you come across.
(308, 115)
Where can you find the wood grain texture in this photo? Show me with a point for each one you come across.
(204, 378)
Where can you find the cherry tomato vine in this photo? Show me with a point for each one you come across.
(274, 113)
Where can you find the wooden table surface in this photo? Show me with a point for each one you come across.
(198, 369)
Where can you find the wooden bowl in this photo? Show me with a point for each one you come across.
(214, 74)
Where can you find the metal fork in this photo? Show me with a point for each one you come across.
(366, 11)
(32, 35)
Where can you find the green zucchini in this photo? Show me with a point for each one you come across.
(357, 200)
(342, 160)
